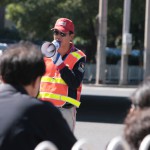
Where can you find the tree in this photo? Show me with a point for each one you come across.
(34, 19)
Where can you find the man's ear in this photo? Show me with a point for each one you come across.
(1, 80)
(36, 86)
(72, 36)
(36, 82)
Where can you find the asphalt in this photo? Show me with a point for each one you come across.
(105, 103)
(102, 113)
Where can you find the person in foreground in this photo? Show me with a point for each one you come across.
(62, 82)
(24, 120)
(141, 96)
(137, 122)
(137, 127)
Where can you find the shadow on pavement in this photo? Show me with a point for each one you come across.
(103, 109)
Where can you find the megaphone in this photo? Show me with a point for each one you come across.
(48, 49)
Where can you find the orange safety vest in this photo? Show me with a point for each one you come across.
(53, 88)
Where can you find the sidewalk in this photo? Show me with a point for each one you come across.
(107, 90)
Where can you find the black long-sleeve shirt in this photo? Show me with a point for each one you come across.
(73, 77)
(26, 121)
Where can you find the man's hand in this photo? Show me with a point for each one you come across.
(57, 58)
(51, 50)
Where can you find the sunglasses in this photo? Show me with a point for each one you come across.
(56, 32)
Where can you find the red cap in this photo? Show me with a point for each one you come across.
(64, 25)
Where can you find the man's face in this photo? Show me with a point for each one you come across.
(63, 37)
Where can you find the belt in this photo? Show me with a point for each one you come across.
(67, 106)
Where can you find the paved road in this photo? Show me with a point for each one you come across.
(97, 134)
(100, 118)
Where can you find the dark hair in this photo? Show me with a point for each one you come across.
(137, 126)
(21, 64)
(141, 97)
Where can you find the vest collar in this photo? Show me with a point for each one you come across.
(72, 49)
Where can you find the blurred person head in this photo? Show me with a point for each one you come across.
(22, 64)
(137, 126)
(141, 97)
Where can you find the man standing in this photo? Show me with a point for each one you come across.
(62, 81)
(24, 120)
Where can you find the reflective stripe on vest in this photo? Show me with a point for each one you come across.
(77, 55)
(73, 58)
(59, 97)
(52, 80)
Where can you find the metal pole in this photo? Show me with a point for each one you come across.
(101, 42)
(146, 41)
(126, 43)
(2, 17)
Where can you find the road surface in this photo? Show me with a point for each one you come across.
(100, 118)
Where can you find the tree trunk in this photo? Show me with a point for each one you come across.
(2, 17)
